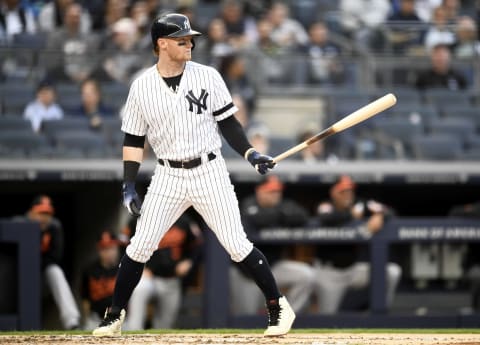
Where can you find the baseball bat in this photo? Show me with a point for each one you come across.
(348, 121)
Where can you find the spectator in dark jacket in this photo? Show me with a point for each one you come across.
(441, 74)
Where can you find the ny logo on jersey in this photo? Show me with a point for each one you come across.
(200, 102)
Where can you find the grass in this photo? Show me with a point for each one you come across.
(258, 331)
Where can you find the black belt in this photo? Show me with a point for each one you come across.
(193, 163)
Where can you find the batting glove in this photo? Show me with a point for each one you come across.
(262, 163)
(130, 199)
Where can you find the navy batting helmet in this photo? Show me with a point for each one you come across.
(171, 25)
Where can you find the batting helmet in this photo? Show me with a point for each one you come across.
(171, 25)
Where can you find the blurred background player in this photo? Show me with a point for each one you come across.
(269, 209)
(338, 268)
(51, 247)
(161, 281)
(98, 280)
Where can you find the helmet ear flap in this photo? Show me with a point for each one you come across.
(193, 43)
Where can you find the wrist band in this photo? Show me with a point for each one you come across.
(250, 150)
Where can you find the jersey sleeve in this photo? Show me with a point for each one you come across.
(133, 121)
(223, 106)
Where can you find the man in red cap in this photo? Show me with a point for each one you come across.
(98, 280)
(269, 209)
(338, 267)
(42, 212)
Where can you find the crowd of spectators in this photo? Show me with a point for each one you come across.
(110, 39)
(91, 44)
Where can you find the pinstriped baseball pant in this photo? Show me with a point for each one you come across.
(208, 189)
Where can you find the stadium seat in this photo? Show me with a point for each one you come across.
(280, 144)
(402, 129)
(455, 110)
(70, 124)
(111, 130)
(343, 103)
(8, 123)
(81, 143)
(473, 141)
(459, 127)
(471, 113)
(111, 125)
(68, 96)
(114, 94)
(413, 111)
(437, 147)
(442, 97)
(15, 97)
(22, 143)
(470, 154)
(227, 151)
(28, 40)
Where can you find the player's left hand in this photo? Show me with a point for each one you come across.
(262, 163)
(130, 199)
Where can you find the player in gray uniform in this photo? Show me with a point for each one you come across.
(181, 106)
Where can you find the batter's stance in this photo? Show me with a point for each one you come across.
(181, 106)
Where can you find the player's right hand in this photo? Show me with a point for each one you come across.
(130, 199)
(262, 163)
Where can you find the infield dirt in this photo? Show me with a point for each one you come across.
(244, 339)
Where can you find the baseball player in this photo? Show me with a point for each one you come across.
(98, 280)
(51, 247)
(182, 106)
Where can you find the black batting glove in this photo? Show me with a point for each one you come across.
(130, 199)
(262, 163)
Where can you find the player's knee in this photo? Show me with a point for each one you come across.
(240, 252)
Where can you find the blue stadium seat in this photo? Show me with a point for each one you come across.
(23, 143)
(343, 103)
(425, 113)
(31, 41)
(471, 113)
(470, 154)
(15, 97)
(442, 97)
(8, 123)
(228, 152)
(114, 94)
(280, 144)
(459, 127)
(437, 147)
(70, 124)
(68, 96)
(81, 143)
(402, 129)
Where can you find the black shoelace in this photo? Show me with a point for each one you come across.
(273, 314)
(109, 319)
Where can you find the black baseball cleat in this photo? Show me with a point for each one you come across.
(280, 317)
(111, 324)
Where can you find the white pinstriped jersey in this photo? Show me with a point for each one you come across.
(179, 125)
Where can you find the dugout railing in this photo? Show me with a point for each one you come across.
(399, 230)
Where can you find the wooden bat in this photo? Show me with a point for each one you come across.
(348, 121)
